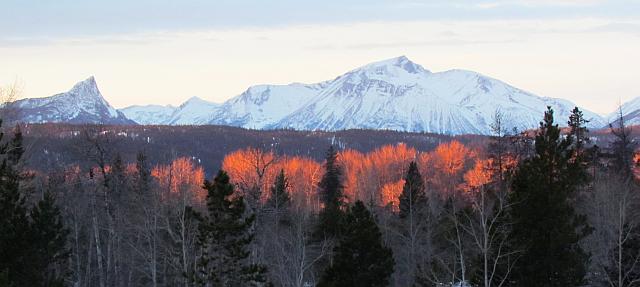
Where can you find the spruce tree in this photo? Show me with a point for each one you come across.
(331, 193)
(413, 196)
(360, 257)
(545, 226)
(48, 242)
(412, 226)
(578, 130)
(279, 198)
(14, 220)
(32, 241)
(224, 237)
(279, 201)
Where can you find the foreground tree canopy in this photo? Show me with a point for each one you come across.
(538, 208)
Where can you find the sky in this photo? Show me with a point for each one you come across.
(164, 52)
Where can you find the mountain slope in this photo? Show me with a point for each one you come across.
(398, 94)
(630, 113)
(263, 106)
(394, 94)
(82, 104)
(149, 114)
(194, 111)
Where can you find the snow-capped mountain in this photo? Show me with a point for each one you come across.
(82, 104)
(630, 113)
(394, 94)
(194, 111)
(263, 106)
(149, 114)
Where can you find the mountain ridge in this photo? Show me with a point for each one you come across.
(391, 94)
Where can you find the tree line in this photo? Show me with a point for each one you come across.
(542, 208)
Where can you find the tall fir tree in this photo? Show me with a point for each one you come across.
(224, 237)
(143, 174)
(413, 196)
(48, 241)
(360, 258)
(32, 241)
(412, 226)
(545, 225)
(578, 130)
(332, 196)
(279, 200)
(14, 220)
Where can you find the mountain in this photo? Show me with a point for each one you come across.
(630, 113)
(82, 104)
(149, 114)
(194, 111)
(264, 106)
(394, 94)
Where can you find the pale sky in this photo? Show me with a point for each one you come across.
(164, 52)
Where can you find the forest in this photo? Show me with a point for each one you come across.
(116, 206)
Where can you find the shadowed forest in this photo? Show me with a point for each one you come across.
(220, 206)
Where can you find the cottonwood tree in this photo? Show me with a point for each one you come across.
(487, 224)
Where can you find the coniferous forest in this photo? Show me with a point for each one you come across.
(92, 206)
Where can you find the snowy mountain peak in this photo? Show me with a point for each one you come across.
(196, 101)
(395, 94)
(83, 103)
(395, 65)
(87, 88)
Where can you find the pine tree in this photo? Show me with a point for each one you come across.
(143, 179)
(279, 198)
(413, 194)
(412, 226)
(623, 147)
(578, 130)
(360, 257)
(32, 242)
(279, 201)
(545, 225)
(224, 237)
(14, 221)
(48, 242)
(331, 193)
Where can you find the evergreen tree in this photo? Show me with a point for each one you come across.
(279, 201)
(413, 194)
(578, 130)
(224, 237)
(623, 147)
(143, 180)
(545, 226)
(412, 226)
(360, 257)
(14, 221)
(279, 198)
(331, 193)
(32, 242)
(48, 241)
